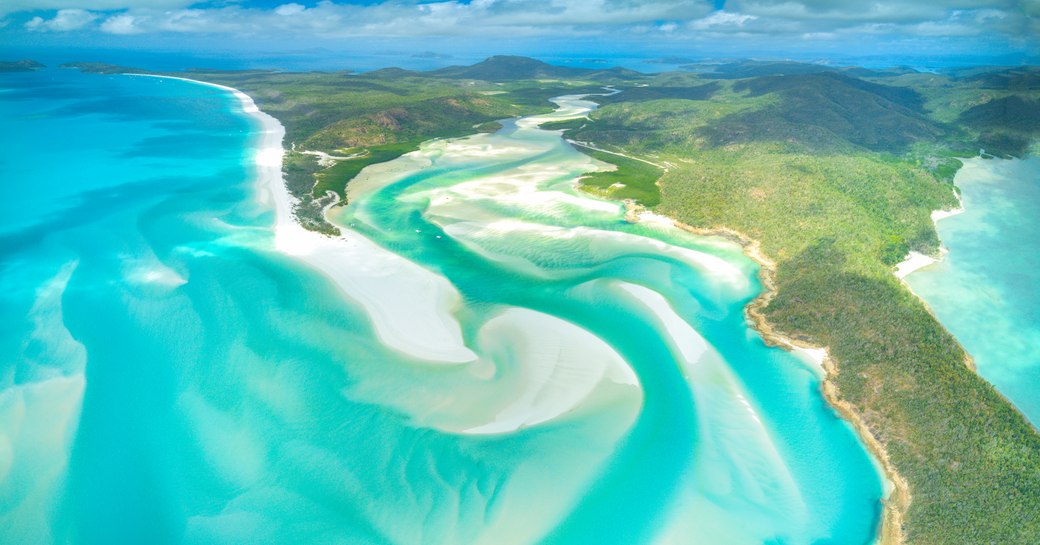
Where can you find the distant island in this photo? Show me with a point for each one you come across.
(828, 175)
(20, 66)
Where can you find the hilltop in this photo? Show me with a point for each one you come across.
(501, 68)
(828, 111)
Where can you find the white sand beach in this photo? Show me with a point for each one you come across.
(916, 260)
(411, 308)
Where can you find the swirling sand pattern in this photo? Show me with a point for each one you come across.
(487, 356)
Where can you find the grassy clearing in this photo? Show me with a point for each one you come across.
(632, 179)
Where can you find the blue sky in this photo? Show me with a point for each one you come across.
(698, 28)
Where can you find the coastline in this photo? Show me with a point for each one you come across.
(916, 260)
(411, 308)
(330, 254)
(897, 502)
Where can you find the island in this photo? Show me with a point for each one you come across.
(25, 65)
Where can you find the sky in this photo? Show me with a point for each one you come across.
(997, 31)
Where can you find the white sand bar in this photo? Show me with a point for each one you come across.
(411, 308)
(557, 366)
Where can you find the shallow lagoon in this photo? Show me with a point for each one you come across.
(169, 376)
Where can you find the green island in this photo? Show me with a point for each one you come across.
(25, 65)
(831, 174)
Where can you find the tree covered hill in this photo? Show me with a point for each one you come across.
(827, 111)
(501, 68)
(836, 176)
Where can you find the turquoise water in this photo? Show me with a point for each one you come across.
(169, 376)
(985, 289)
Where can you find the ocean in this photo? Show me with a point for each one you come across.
(984, 290)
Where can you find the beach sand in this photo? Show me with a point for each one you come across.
(560, 365)
(411, 308)
(916, 260)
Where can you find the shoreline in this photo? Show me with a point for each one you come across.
(411, 308)
(916, 261)
(897, 501)
(325, 254)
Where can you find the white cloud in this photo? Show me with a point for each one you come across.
(678, 19)
(290, 9)
(63, 21)
(14, 6)
(722, 19)
(121, 24)
(843, 12)
(401, 19)
(844, 20)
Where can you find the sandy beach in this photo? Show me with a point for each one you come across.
(411, 308)
(563, 365)
(916, 260)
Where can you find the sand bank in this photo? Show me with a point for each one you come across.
(586, 245)
(411, 308)
(557, 367)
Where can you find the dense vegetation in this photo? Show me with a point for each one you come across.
(751, 69)
(996, 109)
(836, 176)
(20, 66)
